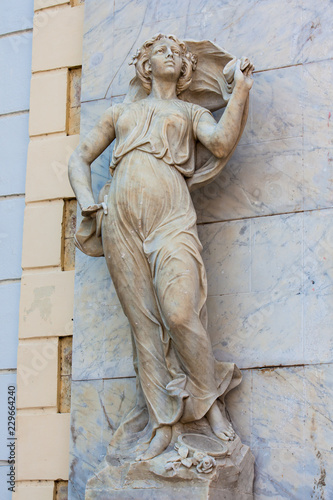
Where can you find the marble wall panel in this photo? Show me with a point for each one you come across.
(317, 172)
(97, 408)
(318, 104)
(318, 286)
(227, 256)
(131, 22)
(318, 243)
(277, 252)
(313, 39)
(288, 414)
(319, 396)
(257, 329)
(102, 349)
(291, 454)
(260, 179)
(232, 24)
(97, 54)
(318, 321)
(318, 137)
(297, 36)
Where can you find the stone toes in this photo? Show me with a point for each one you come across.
(223, 436)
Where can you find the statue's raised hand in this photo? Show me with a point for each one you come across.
(243, 73)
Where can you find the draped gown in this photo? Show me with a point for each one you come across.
(152, 250)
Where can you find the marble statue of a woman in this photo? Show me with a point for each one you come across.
(149, 238)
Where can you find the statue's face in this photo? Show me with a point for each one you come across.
(166, 60)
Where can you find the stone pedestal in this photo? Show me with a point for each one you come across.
(231, 479)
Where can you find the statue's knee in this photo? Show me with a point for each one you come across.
(178, 317)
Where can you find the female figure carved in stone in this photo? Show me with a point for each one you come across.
(150, 241)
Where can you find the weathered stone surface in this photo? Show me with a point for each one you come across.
(42, 454)
(48, 89)
(66, 48)
(37, 374)
(97, 409)
(232, 477)
(47, 170)
(42, 223)
(46, 307)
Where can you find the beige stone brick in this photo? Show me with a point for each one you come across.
(42, 234)
(44, 446)
(31, 490)
(46, 306)
(43, 4)
(48, 101)
(47, 168)
(37, 374)
(57, 38)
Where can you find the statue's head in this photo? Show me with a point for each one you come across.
(153, 57)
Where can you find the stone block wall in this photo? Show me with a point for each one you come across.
(266, 229)
(47, 286)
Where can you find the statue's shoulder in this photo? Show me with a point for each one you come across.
(115, 110)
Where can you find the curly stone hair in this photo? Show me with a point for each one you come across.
(142, 56)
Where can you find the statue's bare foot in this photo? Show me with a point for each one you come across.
(160, 441)
(219, 423)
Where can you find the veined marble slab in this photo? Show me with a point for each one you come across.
(129, 22)
(290, 415)
(102, 349)
(97, 408)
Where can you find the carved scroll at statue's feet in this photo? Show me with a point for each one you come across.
(160, 441)
(219, 423)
